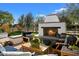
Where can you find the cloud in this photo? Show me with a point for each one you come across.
(59, 10)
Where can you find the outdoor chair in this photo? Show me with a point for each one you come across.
(47, 42)
(58, 35)
(27, 36)
(25, 39)
(57, 45)
(63, 35)
(71, 40)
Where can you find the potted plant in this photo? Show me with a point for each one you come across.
(35, 42)
(15, 34)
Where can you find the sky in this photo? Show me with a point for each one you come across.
(17, 9)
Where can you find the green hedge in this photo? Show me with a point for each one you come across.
(15, 33)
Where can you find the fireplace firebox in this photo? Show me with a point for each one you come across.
(50, 31)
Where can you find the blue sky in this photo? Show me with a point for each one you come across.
(17, 9)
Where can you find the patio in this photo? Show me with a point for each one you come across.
(50, 33)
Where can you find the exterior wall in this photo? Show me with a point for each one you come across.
(62, 26)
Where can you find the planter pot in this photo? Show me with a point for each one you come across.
(16, 39)
(15, 36)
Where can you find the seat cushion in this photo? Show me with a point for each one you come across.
(12, 53)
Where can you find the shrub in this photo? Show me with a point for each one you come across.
(15, 33)
(35, 43)
(73, 47)
(1, 30)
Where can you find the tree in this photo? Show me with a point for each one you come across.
(26, 21)
(73, 12)
(71, 15)
(21, 20)
(38, 19)
(63, 17)
(6, 17)
(5, 27)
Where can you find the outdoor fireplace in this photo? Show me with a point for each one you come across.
(51, 26)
